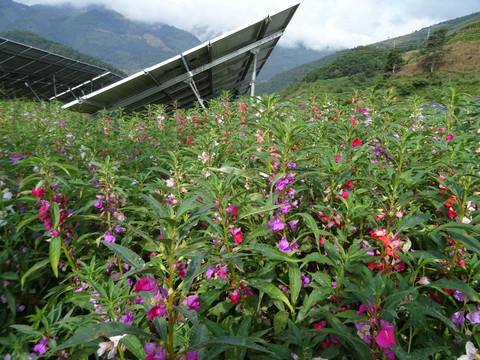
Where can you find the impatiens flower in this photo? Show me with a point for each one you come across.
(472, 352)
(356, 142)
(449, 137)
(237, 235)
(233, 209)
(157, 311)
(276, 224)
(38, 192)
(98, 204)
(305, 280)
(458, 318)
(287, 247)
(192, 303)
(127, 318)
(41, 347)
(235, 296)
(146, 284)
(109, 345)
(154, 351)
(385, 337)
(192, 355)
(109, 237)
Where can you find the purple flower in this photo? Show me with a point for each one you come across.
(293, 224)
(41, 347)
(98, 204)
(287, 247)
(276, 224)
(109, 237)
(192, 303)
(458, 318)
(127, 318)
(305, 280)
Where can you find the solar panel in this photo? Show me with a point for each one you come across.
(26, 71)
(229, 62)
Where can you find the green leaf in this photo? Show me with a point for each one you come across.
(127, 255)
(270, 252)
(271, 290)
(27, 221)
(92, 333)
(456, 284)
(32, 270)
(412, 221)
(232, 341)
(55, 213)
(318, 258)
(312, 224)
(280, 321)
(295, 281)
(264, 209)
(192, 271)
(55, 250)
(315, 296)
(25, 329)
(134, 345)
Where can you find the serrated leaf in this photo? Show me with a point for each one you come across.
(33, 269)
(456, 284)
(192, 271)
(54, 252)
(312, 224)
(271, 290)
(126, 255)
(264, 209)
(295, 282)
(27, 221)
(412, 221)
(55, 214)
(280, 321)
(232, 341)
(25, 329)
(93, 332)
(134, 345)
(270, 252)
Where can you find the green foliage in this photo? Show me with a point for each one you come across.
(340, 227)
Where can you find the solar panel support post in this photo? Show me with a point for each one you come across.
(191, 82)
(54, 86)
(254, 72)
(33, 91)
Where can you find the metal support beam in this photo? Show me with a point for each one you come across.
(254, 72)
(33, 91)
(191, 82)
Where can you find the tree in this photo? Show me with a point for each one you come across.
(394, 61)
(434, 48)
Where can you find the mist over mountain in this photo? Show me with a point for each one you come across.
(125, 44)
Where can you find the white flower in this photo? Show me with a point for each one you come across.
(6, 194)
(110, 345)
(472, 352)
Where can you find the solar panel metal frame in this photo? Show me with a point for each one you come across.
(27, 71)
(229, 62)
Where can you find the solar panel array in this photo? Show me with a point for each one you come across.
(230, 62)
(26, 71)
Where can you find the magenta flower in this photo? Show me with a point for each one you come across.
(146, 284)
(385, 337)
(127, 318)
(305, 280)
(356, 142)
(157, 311)
(109, 237)
(154, 351)
(449, 137)
(98, 204)
(458, 318)
(233, 209)
(192, 355)
(293, 224)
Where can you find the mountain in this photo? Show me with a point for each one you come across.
(300, 76)
(127, 45)
(448, 57)
(94, 30)
(32, 39)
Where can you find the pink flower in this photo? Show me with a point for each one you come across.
(233, 209)
(192, 355)
(237, 235)
(157, 311)
(146, 284)
(356, 142)
(276, 224)
(41, 347)
(109, 237)
(235, 296)
(38, 192)
(449, 137)
(385, 337)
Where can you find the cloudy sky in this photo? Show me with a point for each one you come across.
(317, 23)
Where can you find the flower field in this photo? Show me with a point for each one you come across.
(335, 227)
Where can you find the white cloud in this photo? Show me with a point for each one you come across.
(316, 24)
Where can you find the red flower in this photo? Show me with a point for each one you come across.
(356, 142)
(237, 235)
(235, 296)
(38, 192)
(157, 311)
